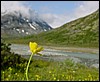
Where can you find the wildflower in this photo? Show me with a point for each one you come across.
(37, 79)
(79, 80)
(37, 76)
(62, 75)
(3, 72)
(66, 77)
(85, 79)
(73, 71)
(53, 75)
(34, 49)
(54, 78)
(9, 75)
(15, 73)
(49, 71)
(7, 79)
(10, 68)
(57, 79)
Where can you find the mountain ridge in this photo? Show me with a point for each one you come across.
(18, 25)
(82, 32)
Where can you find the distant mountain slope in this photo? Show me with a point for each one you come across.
(15, 24)
(83, 32)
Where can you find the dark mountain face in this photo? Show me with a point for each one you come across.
(15, 24)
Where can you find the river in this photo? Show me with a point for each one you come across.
(58, 55)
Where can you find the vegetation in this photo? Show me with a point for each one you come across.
(10, 59)
(82, 33)
(13, 68)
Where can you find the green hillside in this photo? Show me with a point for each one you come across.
(83, 32)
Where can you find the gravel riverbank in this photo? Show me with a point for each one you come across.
(58, 54)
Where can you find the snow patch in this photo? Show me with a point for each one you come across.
(32, 26)
(27, 20)
(45, 30)
(22, 30)
(17, 29)
(27, 33)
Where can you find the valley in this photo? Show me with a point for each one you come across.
(49, 41)
(83, 32)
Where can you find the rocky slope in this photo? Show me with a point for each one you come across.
(15, 24)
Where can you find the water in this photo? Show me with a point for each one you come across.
(58, 55)
(76, 54)
(24, 50)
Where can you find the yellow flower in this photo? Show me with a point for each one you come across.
(54, 78)
(62, 75)
(37, 76)
(49, 71)
(37, 79)
(10, 68)
(58, 80)
(15, 73)
(9, 75)
(3, 72)
(53, 75)
(34, 48)
(7, 79)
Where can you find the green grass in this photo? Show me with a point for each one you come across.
(58, 39)
(13, 68)
(41, 70)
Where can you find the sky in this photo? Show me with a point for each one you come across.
(55, 13)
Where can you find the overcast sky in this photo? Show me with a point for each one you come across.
(55, 13)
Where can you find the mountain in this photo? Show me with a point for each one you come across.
(17, 24)
(82, 32)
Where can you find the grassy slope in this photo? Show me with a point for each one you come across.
(83, 32)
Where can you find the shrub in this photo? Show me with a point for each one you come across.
(10, 59)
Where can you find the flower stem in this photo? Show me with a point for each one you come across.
(28, 66)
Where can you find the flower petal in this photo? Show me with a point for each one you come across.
(39, 49)
(33, 46)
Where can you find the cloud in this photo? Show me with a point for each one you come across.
(10, 6)
(84, 8)
(55, 20)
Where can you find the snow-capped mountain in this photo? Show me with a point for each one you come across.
(17, 24)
